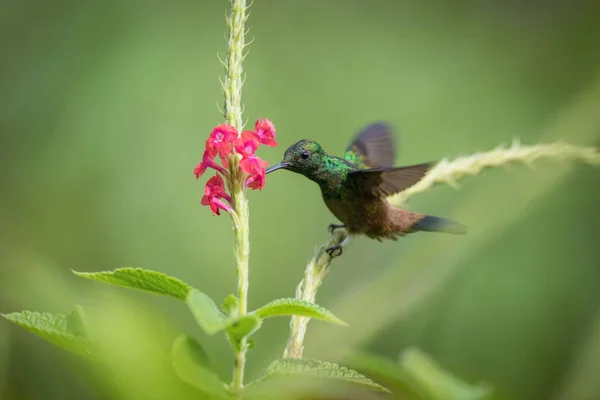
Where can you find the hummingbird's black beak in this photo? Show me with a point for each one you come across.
(281, 165)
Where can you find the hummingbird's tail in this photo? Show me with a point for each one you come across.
(430, 223)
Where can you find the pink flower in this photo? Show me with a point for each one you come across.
(207, 162)
(252, 164)
(247, 143)
(214, 191)
(265, 130)
(220, 140)
(257, 180)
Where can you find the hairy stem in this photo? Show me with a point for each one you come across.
(315, 273)
(450, 171)
(241, 228)
(232, 89)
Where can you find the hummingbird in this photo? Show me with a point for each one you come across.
(355, 188)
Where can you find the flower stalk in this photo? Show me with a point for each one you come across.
(241, 167)
(232, 85)
(232, 89)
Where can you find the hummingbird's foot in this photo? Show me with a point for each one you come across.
(335, 251)
(333, 227)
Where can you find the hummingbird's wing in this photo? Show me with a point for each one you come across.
(374, 146)
(385, 182)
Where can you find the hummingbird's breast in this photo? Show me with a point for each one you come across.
(372, 216)
(369, 216)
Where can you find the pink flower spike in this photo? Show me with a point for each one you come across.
(214, 191)
(265, 130)
(207, 162)
(220, 140)
(247, 143)
(252, 164)
(256, 181)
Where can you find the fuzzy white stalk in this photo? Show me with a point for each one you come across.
(448, 172)
(232, 85)
(315, 273)
(232, 89)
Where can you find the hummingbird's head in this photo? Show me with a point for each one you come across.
(303, 157)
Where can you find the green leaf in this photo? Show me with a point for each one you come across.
(191, 365)
(291, 306)
(435, 383)
(141, 279)
(388, 372)
(242, 327)
(417, 376)
(76, 322)
(320, 369)
(58, 329)
(230, 305)
(206, 313)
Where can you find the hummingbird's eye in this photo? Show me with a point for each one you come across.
(305, 155)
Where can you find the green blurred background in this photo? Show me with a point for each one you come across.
(104, 110)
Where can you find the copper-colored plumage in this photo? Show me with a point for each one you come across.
(373, 217)
(355, 188)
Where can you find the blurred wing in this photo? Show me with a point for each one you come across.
(384, 182)
(374, 146)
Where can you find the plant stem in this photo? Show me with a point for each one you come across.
(242, 252)
(232, 89)
(316, 270)
(450, 171)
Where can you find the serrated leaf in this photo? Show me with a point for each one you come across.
(141, 279)
(433, 382)
(386, 371)
(191, 365)
(53, 328)
(321, 369)
(206, 313)
(302, 387)
(291, 306)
